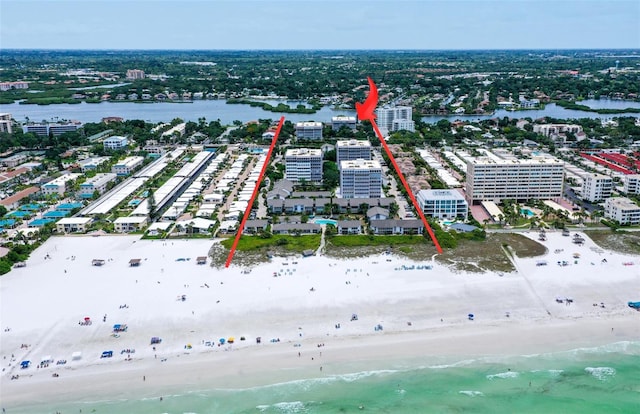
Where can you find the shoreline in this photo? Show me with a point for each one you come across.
(305, 302)
(254, 366)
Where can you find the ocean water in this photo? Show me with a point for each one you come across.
(588, 380)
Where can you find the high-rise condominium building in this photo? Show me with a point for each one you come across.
(360, 179)
(597, 187)
(395, 118)
(303, 164)
(352, 149)
(517, 179)
(309, 130)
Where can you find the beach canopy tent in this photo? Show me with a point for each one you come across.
(76, 355)
(134, 262)
(46, 360)
(120, 327)
(25, 364)
(97, 262)
(201, 260)
(155, 340)
(106, 354)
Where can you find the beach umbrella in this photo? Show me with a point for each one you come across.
(222, 340)
(231, 339)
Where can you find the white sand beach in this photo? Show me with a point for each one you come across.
(421, 313)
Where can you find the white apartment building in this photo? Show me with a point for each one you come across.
(403, 125)
(352, 149)
(115, 143)
(7, 86)
(386, 118)
(339, 121)
(631, 184)
(555, 129)
(73, 224)
(44, 130)
(92, 164)
(309, 130)
(443, 204)
(178, 130)
(14, 160)
(135, 74)
(130, 223)
(303, 164)
(58, 185)
(622, 210)
(360, 179)
(96, 183)
(126, 166)
(596, 187)
(6, 124)
(490, 179)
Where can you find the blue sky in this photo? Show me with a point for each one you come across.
(319, 24)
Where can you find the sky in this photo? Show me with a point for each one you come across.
(320, 24)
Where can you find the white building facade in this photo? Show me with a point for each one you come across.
(340, 121)
(73, 224)
(622, 210)
(396, 118)
(127, 166)
(58, 185)
(115, 143)
(6, 124)
(596, 187)
(360, 179)
(96, 183)
(443, 204)
(631, 183)
(352, 150)
(303, 164)
(309, 130)
(494, 180)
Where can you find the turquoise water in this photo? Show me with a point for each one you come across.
(594, 380)
(326, 221)
(528, 212)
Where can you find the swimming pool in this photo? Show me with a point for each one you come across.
(527, 212)
(326, 221)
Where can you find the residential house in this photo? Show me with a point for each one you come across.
(73, 224)
(255, 226)
(299, 228)
(397, 227)
(349, 227)
(130, 223)
(377, 213)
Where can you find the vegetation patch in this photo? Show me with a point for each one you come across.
(619, 241)
(288, 243)
(489, 255)
(357, 240)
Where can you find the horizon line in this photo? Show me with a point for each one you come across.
(548, 49)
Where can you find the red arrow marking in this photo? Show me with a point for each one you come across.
(255, 193)
(365, 111)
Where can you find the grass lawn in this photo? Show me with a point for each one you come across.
(290, 243)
